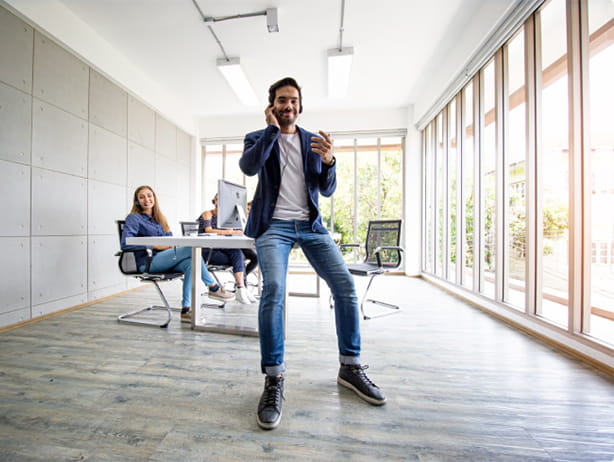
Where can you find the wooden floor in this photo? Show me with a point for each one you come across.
(461, 386)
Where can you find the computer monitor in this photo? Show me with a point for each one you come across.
(231, 205)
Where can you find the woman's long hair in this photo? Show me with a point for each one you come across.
(156, 213)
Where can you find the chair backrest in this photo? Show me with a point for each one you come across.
(384, 233)
(127, 260)
(120, 229)
(189, 228)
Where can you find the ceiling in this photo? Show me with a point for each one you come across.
(398, 44)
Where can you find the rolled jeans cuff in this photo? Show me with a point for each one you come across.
(274, 370)
(349, 360)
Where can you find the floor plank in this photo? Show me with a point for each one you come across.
(461, 385)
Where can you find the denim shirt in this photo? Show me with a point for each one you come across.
(261, 156)
(137, 225)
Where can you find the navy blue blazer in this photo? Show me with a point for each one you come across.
(261, 156)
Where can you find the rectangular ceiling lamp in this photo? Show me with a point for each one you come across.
(234, 75)
(339, 66)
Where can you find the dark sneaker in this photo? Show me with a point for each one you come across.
(354, 378)
(187, 316)
(269, 407)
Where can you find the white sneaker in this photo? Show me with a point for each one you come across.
(242, 296)
(251, 297)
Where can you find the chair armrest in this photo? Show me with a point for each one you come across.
(387, 247)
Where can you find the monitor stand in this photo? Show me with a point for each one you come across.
(242, 218)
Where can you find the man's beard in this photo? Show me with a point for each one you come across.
(287, 118)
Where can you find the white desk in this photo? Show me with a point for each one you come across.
(197, 243)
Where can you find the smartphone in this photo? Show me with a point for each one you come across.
(274, 112)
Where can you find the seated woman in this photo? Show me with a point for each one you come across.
(207, 223)
(146, 219)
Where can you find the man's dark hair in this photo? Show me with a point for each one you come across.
(286, 81)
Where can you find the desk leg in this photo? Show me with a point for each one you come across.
(196, 276)
(198, 323)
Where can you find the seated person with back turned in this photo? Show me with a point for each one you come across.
(207, 223)
(146, 219)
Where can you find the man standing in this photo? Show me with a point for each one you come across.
(294, 166)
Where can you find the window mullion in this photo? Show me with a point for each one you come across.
(501, 202)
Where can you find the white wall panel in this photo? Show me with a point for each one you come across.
(15, 203)
(16, 45)
(141, 166)
(183, 194)
(15, 124)
(107, 291)
(60, 78)
(14, 317)
(59, 203)
(171, 211)
(184, 147)
(15, 273)
(58, 268)
(107, 156)
(105, 204)
(166, 138)
(166, 178)
(58, 305)
(183, 184)
(128, 201)
(59, 140)
(141, 123)
(102, 262)
(108, 104)
(73, 146)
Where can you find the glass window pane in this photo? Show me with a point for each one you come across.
(554, 164)
(391, 188)
(233, 172)
(601, 135)
(343, 199)
(428, 199)
(468, 186)
(439, 192)
(452, 182)
(366, 186)
(516, 175)
(212, 169)
(489, 183)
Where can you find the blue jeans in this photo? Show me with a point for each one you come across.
(179, 259)
(232, 257)
(273, 249)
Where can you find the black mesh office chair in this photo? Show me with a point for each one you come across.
(382, 254)
(127, 265)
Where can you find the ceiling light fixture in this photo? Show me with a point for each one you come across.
(236, 78)
(231, 67)
(339, 68)
(339, 65)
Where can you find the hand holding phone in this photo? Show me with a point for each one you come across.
(271, 116)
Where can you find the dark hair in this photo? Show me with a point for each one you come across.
(286, 81)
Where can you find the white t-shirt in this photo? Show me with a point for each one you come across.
(292, 200)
